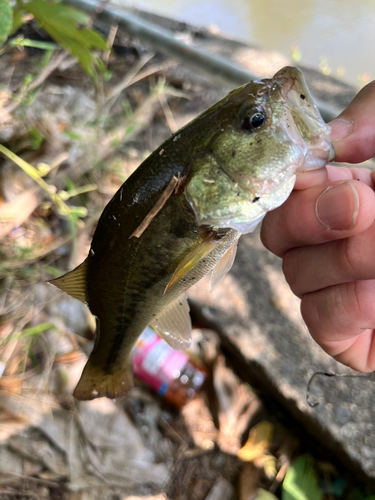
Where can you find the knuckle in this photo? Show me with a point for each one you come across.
(268, 234)
(311, 315)
(348, 301)
(348, 259)
(274, 233)
(353, 304)
(290, 270)
(363, 300)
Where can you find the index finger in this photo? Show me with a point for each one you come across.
(332, 173)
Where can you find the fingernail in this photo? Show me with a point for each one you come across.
(340, 128)
(337, 207)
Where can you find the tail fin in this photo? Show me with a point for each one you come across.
(96, 382)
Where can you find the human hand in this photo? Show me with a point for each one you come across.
(325, 234)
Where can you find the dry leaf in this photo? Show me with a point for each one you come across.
(269, 465)
(259, 440)
(15, 212)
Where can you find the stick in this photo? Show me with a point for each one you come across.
(167, 193)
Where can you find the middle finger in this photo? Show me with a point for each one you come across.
(311, 268)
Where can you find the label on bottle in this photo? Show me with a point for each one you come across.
(156, 362)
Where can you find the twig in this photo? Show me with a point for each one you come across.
(168, 113)
(167, 193)
(39, 79)
(17, 477)
(110, 41)
(279, 477)
(48, 70)
(55, 164)
(126, 132)
(129, 79)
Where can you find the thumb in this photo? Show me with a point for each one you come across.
(353, 131)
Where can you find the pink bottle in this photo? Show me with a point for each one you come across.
(170, 373)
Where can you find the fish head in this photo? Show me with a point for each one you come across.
(265, 132)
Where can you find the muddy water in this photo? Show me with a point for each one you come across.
(337, 36)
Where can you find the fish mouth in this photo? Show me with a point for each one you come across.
(303, 119)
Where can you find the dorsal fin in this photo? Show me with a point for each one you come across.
(173, 324)
(223, 266)
(191, 260)
(73, 282)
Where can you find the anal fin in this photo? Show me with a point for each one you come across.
(73, 282)
(174, 323)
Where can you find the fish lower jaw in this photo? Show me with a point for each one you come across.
(317, 157)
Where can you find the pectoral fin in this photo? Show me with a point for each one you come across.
(174, 323)
(223, 266)
(73, 282)
(191, 260)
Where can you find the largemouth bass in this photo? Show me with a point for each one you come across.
(181, 213)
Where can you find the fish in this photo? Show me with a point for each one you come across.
(180, 214)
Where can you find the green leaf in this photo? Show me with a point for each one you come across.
(6, 19)
(356, 494)
(301, 482)
(63, 24)
(264, 495)
(18, 20)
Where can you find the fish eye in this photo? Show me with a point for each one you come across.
(253, 118)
